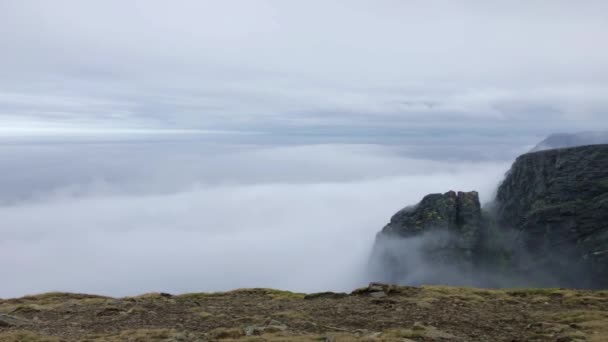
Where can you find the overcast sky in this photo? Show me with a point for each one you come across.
(268, 66)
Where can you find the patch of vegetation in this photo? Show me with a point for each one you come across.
(284, 295)
(227, 333)
(533, 292)
(579, 316)
(404, 333)
(57, 297)
(48, 301)
(201, 295)
(418, 331)
(446, 312)
(26, 336)
(143, 335)
(460, 293)
(292, 315)
(583, 325)
(272, 293)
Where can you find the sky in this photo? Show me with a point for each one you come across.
(192, 146)
(472, 66)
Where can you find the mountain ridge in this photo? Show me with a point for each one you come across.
(565, 140)
(547, 226)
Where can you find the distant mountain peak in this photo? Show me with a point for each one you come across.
(563, 140)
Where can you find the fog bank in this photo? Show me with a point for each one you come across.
(299, 218)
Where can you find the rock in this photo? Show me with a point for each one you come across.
(557, 202)
(11, 321)
(418, 326)
(375, 288)
(269, 326)
(443, 230)
(379, 294)
(254, 331)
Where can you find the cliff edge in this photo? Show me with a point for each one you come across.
(557, 202)
(548, 227)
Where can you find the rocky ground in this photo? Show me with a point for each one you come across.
(375, 313)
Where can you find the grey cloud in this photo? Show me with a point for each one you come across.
(202, 64)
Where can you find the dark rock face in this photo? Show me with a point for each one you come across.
(558, 201)
(441, 232)
(456, 214)
(548, 226)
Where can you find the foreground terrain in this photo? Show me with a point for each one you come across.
(376, 313)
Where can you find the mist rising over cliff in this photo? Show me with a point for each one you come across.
(562, 140)
(546, 227)
(130, 217)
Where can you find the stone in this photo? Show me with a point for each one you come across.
(269, 326)
(418, 326)
(379, 294)
(11, 321)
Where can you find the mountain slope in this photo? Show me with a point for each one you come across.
(375, 313)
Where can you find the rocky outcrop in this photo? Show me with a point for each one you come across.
(548, 226)
(557, 200)
(441, 232)
(456, 214)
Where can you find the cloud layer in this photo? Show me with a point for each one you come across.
(299, 218)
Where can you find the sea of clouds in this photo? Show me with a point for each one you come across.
(124, 218)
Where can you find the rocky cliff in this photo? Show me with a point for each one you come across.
(427, 242)
(557, 200)
(548, 226)
(457, 215)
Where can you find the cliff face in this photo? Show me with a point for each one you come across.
(455, 214)
(438, 237)
(548, 226)
(557, 200)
